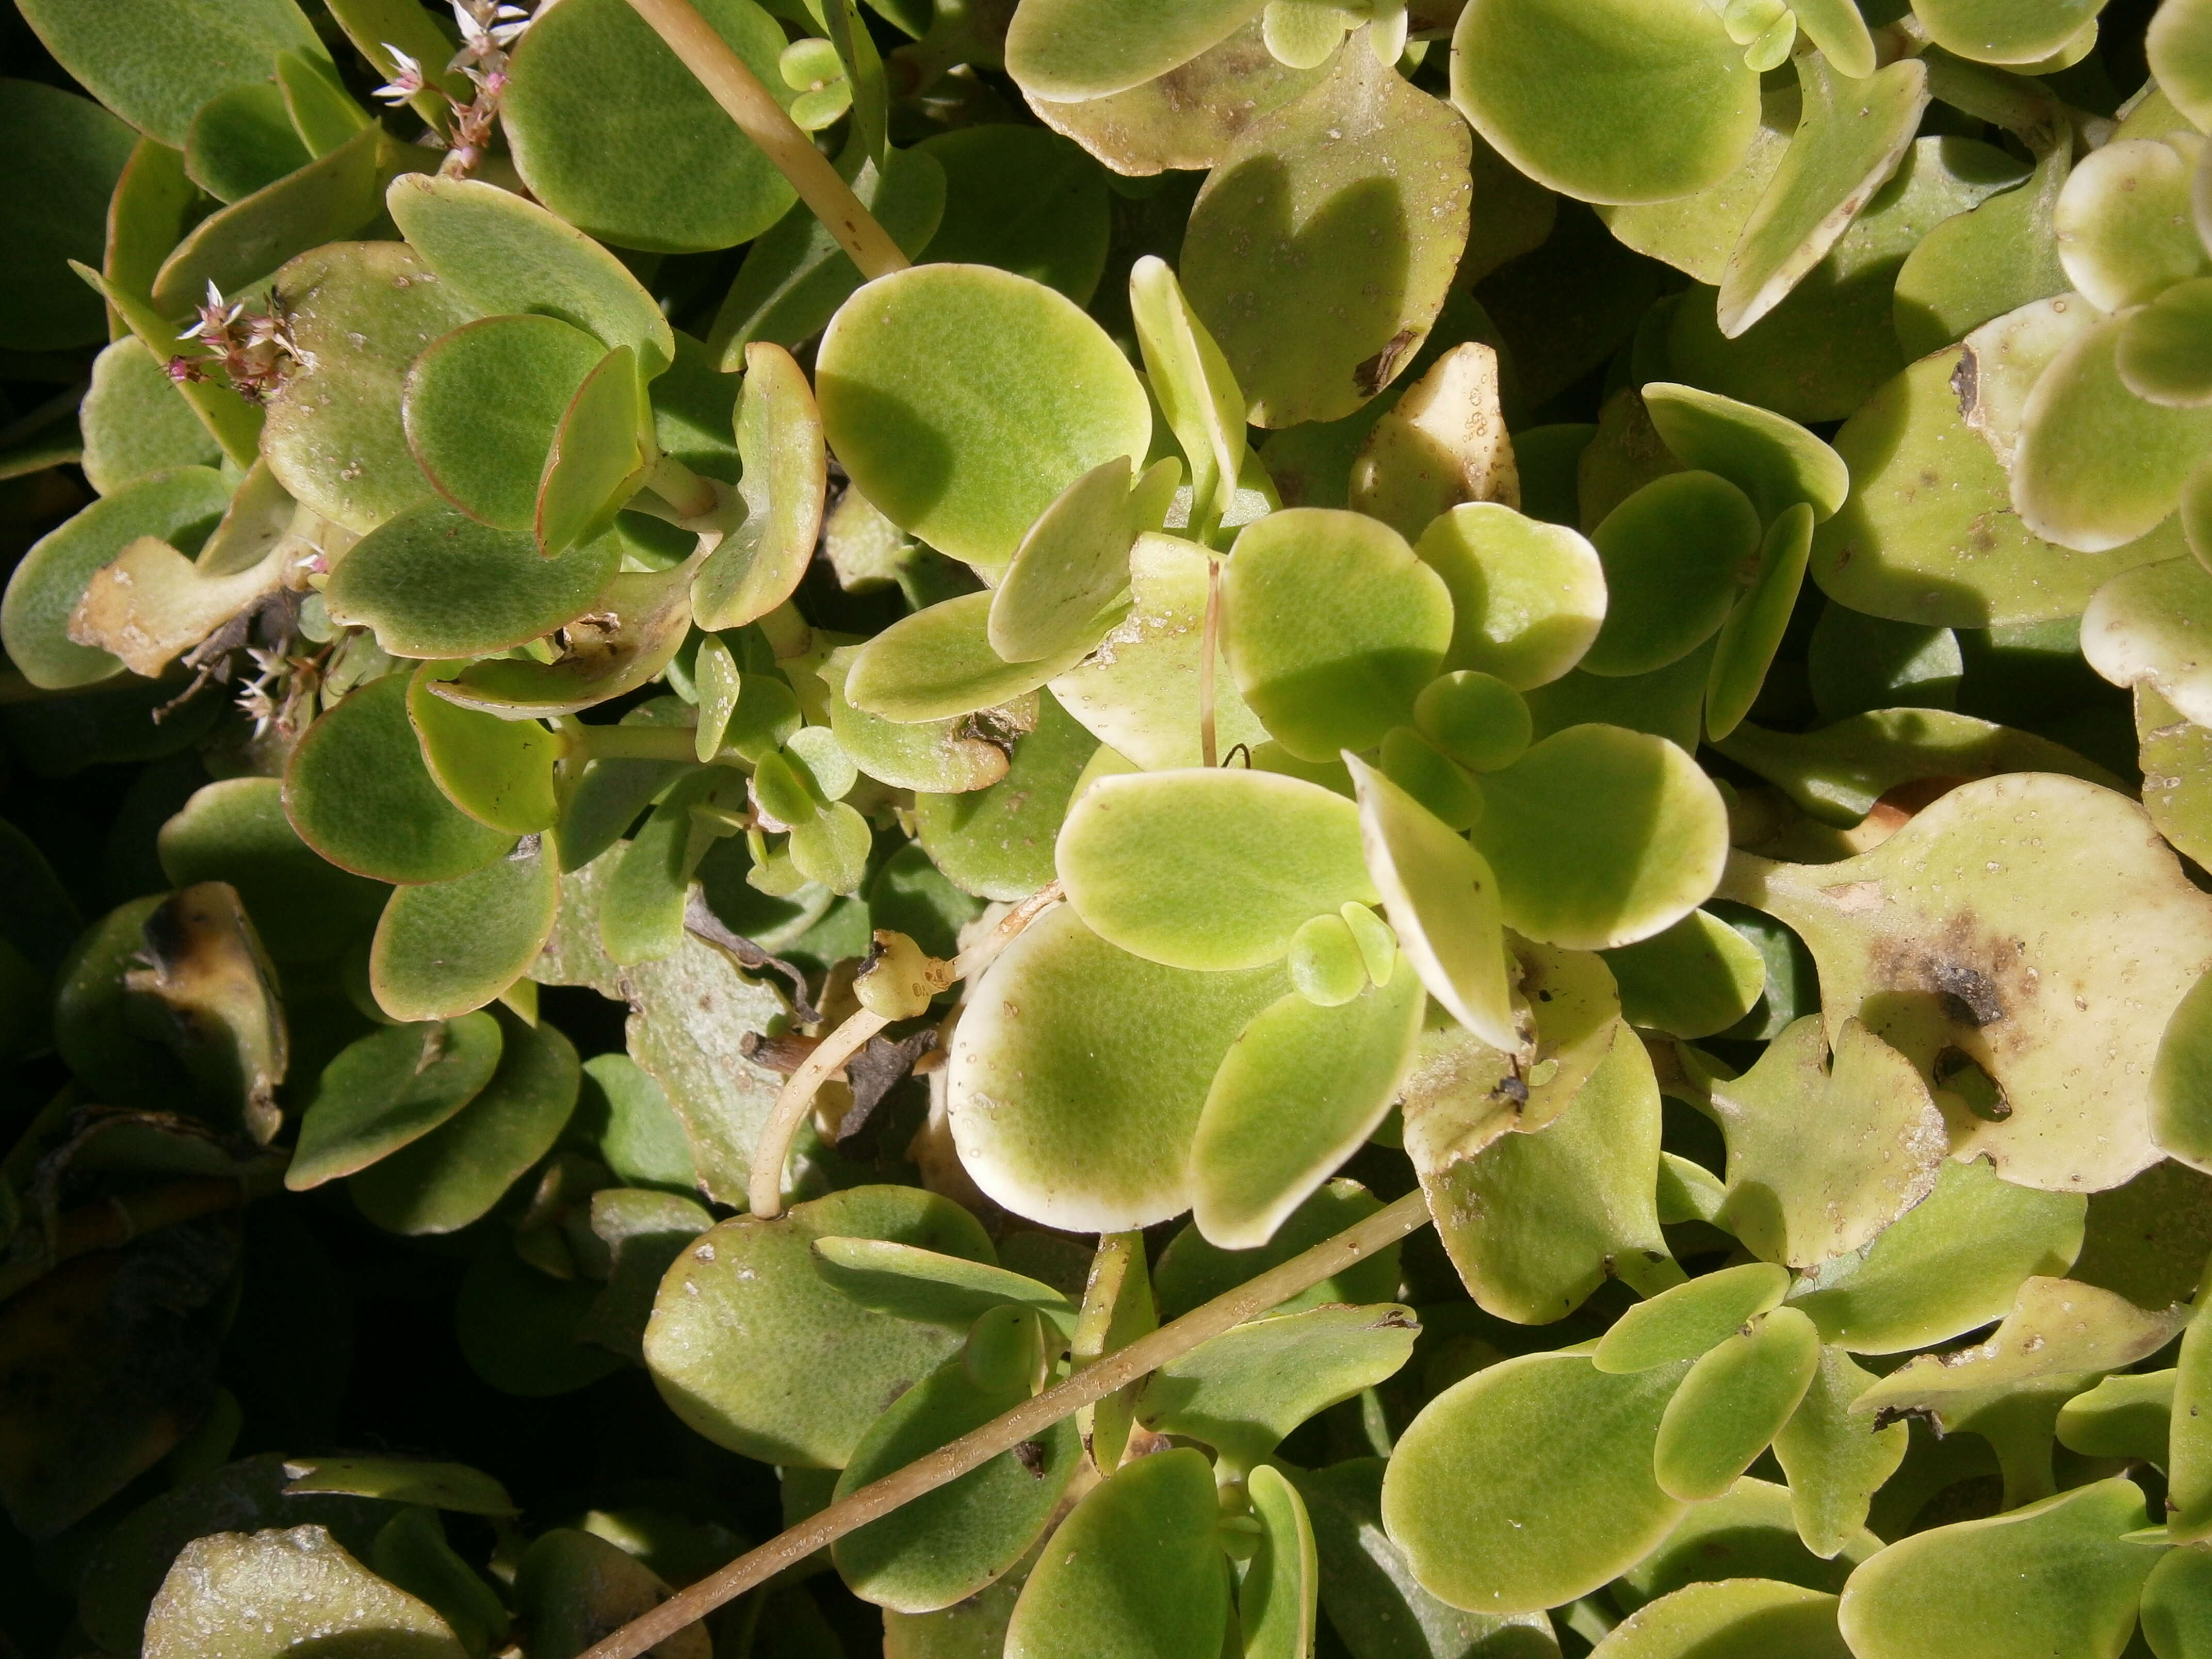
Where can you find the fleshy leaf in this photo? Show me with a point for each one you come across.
(2123, 225)
(1074, 562)
(1530, 1483)
(386, 1089)
(257, 1596)
(482, 406)
(445, 947)
(1690, 1320)
(1733, 1403)
(1835, 1461)
(1664, 103)
(758, 564)
(962, 400)
(938, 664)
(1056, 1113)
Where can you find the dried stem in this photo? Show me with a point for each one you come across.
(1025, 1422)
(1210, 647)
(765, 1190)
(750, 104)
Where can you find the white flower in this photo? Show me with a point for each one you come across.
(405, 82)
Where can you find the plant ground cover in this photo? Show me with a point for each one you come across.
(1105, 831)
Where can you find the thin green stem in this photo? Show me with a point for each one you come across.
(1025, 1422)
(753, 108)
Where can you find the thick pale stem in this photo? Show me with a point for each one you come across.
(688, 495)
(1025, 1422)
(765, 1190)
(1210, 647)
(750, 104)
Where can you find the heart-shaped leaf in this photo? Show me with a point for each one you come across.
(1836, 1462)
(1363, 172)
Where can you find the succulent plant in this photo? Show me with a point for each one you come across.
(783, 789)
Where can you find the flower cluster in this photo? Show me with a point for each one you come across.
(487, 28)
(255, 349)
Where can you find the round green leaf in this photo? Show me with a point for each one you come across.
(432, 583)
(1954, 554)
(1998, 32)
(2165, 348)
(1734, 1401)
(443, 1181)
(1059, 1112)
(757, 565)
(1059, 50)
(255, 1595)
(1528, 597)
(1695, 978)
(1600, 836)
(1332, 628)
(1134, 1572)
(1690, 1320)
(359, 794)
(2181, 1081)
(156, 62)
(1732, 1618)
(952, 1542)
(613, 133)
(1673, 554)
(753, 1349)
(1663, 102)
(2123, 227)
(962, 400)
(180, 507)
(134, 422)
(999, 841)
(1209, 870)
(393, 1086)
(1363, 173)
(2179, 47)
(2058, 1574)
(1530, 1483)
(503, 254)
(2141, 629)
(2097, 467)
(480, 407)
(444, 947)
(597, 458)
(304, 908)
(2177, 1605)
(1299, 1091)
(360, 313)
(65, 154)
(1443, 902)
